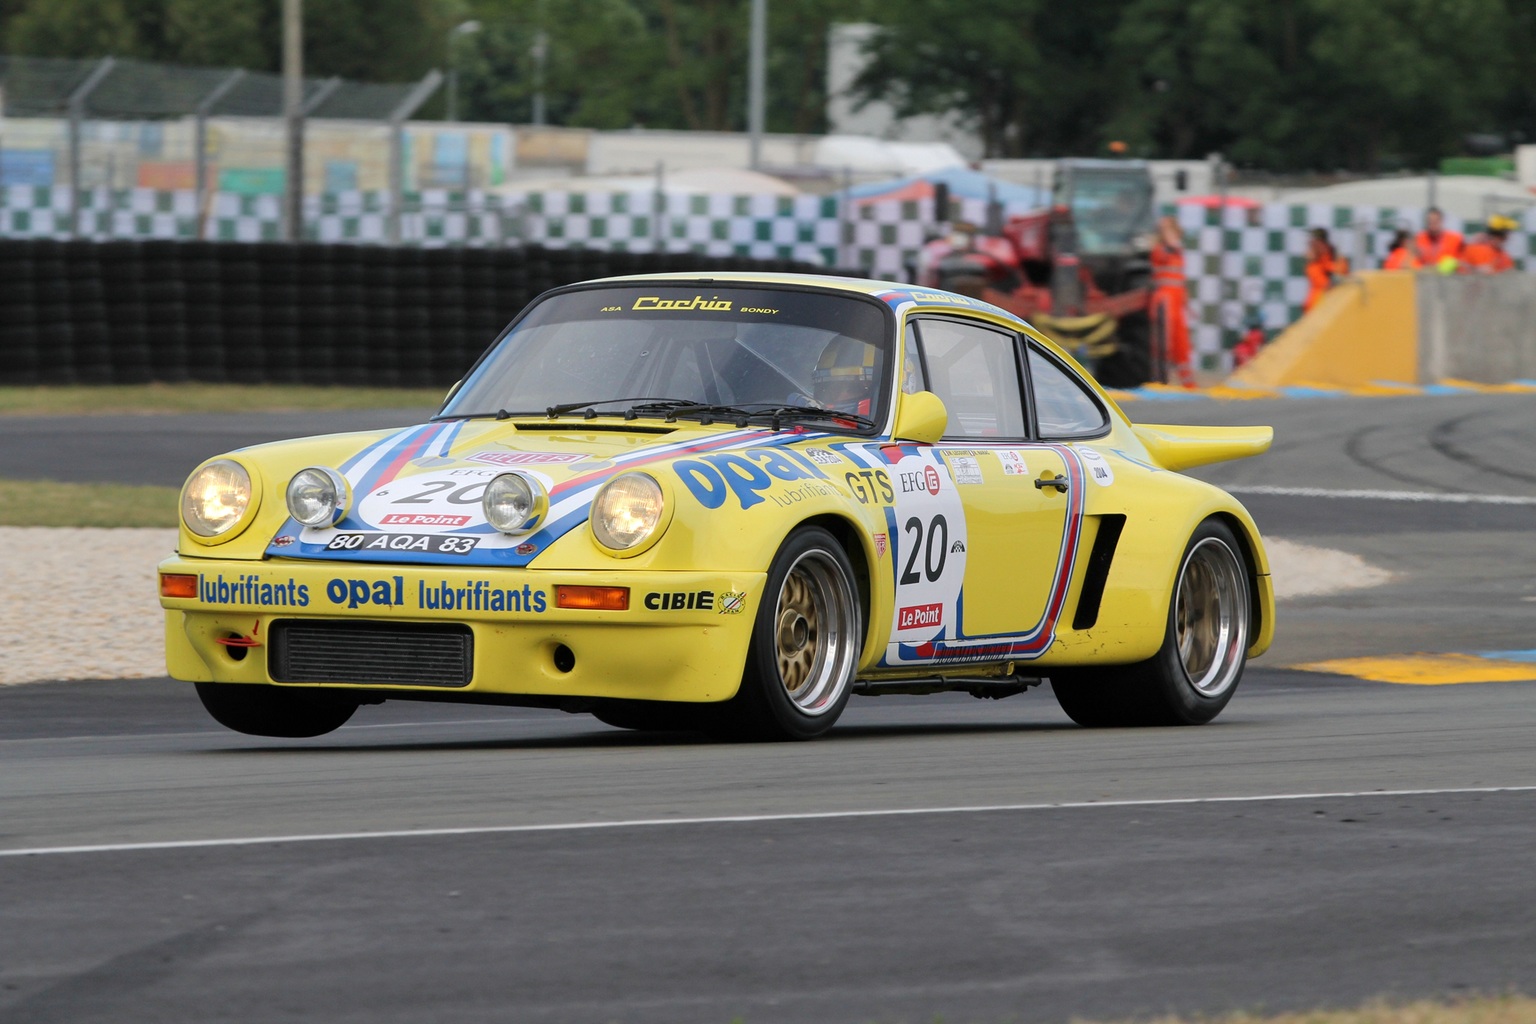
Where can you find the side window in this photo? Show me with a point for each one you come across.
(913, 379)
(975, 371)
(1063, 405)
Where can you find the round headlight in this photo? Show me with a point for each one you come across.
(626, 511)
(318, 496)
(215, 497)
(514, 503)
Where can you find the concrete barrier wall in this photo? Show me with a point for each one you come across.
(1477, 327)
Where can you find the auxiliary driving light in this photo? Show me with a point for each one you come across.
(318, 496)
(515, 503)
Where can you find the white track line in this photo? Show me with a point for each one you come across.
(738, 819)
(1425, 496)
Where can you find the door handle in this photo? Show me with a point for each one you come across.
(1058, 481)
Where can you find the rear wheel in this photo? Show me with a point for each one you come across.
(804, 649)
(257, 709)
(1193, 675)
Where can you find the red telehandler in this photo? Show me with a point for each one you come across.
(1079, 270)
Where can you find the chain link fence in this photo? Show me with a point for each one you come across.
(108, 126)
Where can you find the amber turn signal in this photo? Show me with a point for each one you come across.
(177, 584)
(608, 599)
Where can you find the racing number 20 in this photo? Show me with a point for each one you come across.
(462, 496)
(937, 537)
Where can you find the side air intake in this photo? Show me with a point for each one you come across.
(1099, 560)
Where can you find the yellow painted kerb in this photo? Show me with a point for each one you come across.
(1428, 669)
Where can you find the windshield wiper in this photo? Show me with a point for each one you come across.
(588, 406)
(793, 412)
(706, 412)
(644, 402)
(741, 415)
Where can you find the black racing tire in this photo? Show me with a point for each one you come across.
(1205, 647)
(805, 646)
(646, 715)
(257, 709)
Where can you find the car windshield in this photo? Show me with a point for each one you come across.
(688, 350)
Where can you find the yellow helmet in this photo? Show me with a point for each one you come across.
(845, 372)
(1501, 223)
(845, 358)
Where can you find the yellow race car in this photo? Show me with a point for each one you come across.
(728, 503)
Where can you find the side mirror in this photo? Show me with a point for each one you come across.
(921, 417)
(451, 392)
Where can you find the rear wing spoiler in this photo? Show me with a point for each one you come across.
(1181, 447)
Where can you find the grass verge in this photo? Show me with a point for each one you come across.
(46, 503)
(86, 400)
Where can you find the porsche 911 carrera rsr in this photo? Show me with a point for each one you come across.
(730, 504)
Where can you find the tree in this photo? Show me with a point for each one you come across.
(75, 28)
(1309, 83)
(595, 51)
(373, 40)
(657, 63)
(1515, 109)
(1026, 77)
(1211, 75)
(369, 40)
(1408, 78)
(797, 59)
(215, 33)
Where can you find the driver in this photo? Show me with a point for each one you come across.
(844, 378)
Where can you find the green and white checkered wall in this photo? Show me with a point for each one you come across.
(883, 237)
(429, 218)
(1245, 265)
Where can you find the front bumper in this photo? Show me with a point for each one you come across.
(683, 637)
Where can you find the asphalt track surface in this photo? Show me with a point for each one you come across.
(1326, 841)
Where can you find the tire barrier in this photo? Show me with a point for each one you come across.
(129, 312)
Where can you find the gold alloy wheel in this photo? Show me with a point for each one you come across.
(814, 632)
(1211, 617)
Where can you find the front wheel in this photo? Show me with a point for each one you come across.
(258, 709)
(1193, 675)
(805, 645)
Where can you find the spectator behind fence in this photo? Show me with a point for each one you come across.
(1485, 254)
(1435, 246)
(1325, 267)
(1401, 254)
